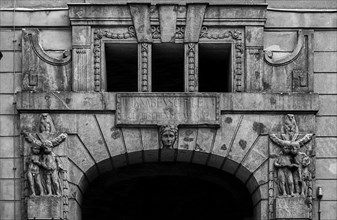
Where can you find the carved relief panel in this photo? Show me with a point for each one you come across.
(45, 172)
(291, 173)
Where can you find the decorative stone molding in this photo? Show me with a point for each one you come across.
(145, 82)
(155, 30)
(292, 169)
(192, 75)
(99, 34)
(180, 32)
(236, 36)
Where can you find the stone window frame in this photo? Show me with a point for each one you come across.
(227, 35)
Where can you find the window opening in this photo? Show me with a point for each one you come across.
(121, 67)
(215, 67)
(167, 67)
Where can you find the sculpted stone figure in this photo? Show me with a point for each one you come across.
(291, 164)
(168, 135)
(33, 170)
(43, 165)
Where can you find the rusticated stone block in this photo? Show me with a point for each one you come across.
(291, 208)
(43, 207)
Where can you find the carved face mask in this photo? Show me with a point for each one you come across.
(168, 138)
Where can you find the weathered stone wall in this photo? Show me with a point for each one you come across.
(325, 83)
(56, 37)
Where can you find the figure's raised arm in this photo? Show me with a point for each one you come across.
(31, 139)
(59, 139)
(305, 139)
(278, 141)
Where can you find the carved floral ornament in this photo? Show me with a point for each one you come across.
(292, 166)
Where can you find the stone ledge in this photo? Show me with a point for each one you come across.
(229, 102)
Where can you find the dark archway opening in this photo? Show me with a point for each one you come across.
(167, 191)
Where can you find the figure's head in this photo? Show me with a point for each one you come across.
(35, 149)
(305, 161)
(44, 116)
(286, 149)
(47, 146)
(295, 147)
(168, 135)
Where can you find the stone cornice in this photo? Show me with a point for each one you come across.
(306, 103)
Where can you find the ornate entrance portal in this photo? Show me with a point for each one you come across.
(167, 191)
(93, 147)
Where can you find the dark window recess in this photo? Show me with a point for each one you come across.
(121, 67)
(167, 67)
(215, 68)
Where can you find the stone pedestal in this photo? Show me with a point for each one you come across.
(45, 207)
(291, 208)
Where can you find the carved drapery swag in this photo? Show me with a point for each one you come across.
(293, 166)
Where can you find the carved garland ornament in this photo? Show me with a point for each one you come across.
(98, 35)
(291, 166)
(236, 35)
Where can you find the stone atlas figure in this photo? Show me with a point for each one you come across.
(43, 166)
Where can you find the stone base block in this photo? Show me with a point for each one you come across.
(45, 207)
(291, 208)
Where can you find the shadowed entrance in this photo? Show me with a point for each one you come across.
(167, 191)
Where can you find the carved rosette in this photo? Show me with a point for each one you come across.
(98, 35)
(192, 82)
(145, 67)
(236, 36)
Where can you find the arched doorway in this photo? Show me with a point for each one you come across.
(167, 191)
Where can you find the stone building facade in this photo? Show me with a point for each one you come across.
(70, 122)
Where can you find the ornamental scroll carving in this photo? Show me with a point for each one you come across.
(236, 36)
(293, 166)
